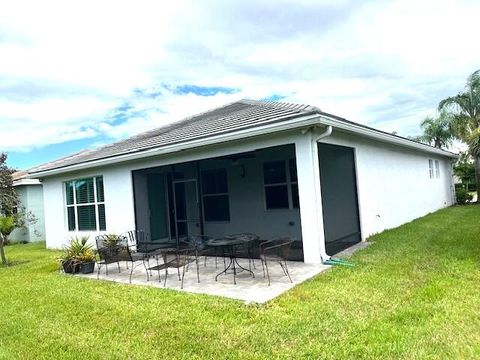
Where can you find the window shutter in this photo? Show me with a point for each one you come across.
(101, 217)
(84, 188)
(86, 218)
(100, 195)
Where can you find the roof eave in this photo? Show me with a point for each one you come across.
(26, 181)
(297, 122)
(326, 119)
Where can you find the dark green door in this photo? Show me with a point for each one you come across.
(339, 197)
(157, 203)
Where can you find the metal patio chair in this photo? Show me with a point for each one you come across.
(113, 250)
(200, 244)
(177, 259)
(276, 250)
(135, 240)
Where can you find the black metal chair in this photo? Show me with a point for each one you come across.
(275, 250)
(136, 237)
(113, 249)
(143, 249)
(135, 240)
(200, 244)
(176, 258)
(248, 250)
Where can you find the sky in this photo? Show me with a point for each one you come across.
(76, 75)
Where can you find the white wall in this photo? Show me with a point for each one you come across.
(119, 208)
(394, 186)
(31, 197)
(247, 200)
(119, 205)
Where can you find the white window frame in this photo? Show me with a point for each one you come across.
(75, 206)
(430, 168)
(215, 195)
(437, 169)
(289, 183)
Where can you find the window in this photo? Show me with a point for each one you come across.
(430, 168)
(437, 169)
(85, 202)
(281, 187)
(215, 195)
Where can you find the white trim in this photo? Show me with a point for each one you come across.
(288, 183)
(385, 137)
(25, 181)
(237, 135)
(75, 205)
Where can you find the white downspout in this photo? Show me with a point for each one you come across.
(318, 194)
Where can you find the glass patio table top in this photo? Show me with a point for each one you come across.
(225, 241)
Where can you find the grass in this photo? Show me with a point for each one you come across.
(415, 293)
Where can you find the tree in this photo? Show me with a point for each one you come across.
(8, 195)
(7, 225)
(437, 131)
(465, 170)
(465, 111)
(9, 216)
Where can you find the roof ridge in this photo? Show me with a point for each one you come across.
(282, 104)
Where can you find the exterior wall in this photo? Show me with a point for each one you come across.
(119, 208)
(119, 193)
(394, 186)
(21, 235)
(247, 200)
(31, 197)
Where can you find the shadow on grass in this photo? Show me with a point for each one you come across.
(15, 263)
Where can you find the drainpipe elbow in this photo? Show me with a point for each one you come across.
(325, 134)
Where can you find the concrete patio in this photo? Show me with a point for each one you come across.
(247, 289)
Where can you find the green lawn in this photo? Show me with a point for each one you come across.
(415, 293)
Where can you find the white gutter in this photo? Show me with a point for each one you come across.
(25, 181)
(318, 193)
(237, 135)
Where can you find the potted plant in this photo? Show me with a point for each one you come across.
(111, 240)
(73, 253)
(87, 261)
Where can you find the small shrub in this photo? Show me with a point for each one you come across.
(76, 248)
(88, 255)
(463, 196)
(111, 240)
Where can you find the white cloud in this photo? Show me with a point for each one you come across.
(65, 66)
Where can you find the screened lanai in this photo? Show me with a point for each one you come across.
(253, 192)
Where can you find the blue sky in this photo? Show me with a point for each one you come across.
(65, 86)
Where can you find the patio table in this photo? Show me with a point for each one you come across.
(230, 247)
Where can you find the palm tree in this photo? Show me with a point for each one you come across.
(437, 131)
(465, 111)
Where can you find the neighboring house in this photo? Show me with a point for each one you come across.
(31, 198)
(273, 169)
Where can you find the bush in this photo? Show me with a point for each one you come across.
(77, 249)
(463, 196)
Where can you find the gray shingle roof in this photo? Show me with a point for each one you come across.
(239, 115)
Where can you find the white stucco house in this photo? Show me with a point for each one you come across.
(269, 168)
(30, 194)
